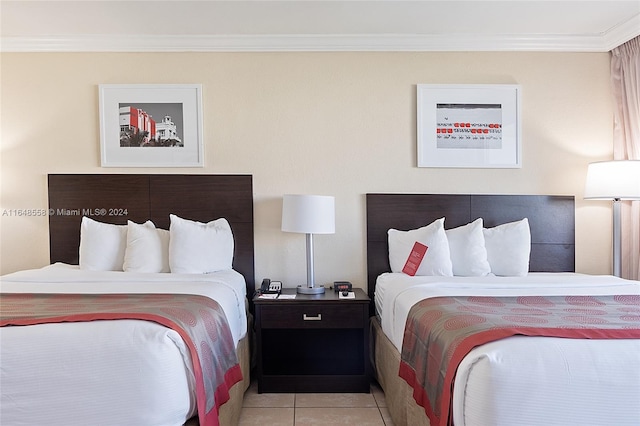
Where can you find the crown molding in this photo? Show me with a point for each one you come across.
(622, 33)
(323, 43)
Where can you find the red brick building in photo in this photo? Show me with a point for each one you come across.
(137, 120)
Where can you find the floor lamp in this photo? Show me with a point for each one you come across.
(309, 214)
(614, 180)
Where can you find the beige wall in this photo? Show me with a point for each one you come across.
(339, 124)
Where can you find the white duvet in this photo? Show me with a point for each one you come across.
(124, 372)
(527, 380)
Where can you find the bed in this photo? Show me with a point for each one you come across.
(519, 379)
(140, 368)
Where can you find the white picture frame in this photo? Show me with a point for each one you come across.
(151, 125)
(469, 125)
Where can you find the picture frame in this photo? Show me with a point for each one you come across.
(469, 125)
(151, 125)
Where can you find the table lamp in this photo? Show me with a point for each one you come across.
(309, 214)
(614, 180)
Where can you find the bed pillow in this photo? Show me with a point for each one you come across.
(508, 248)
(102, 245)
(147, 248)
(436, 260)
(199, 248)
(468, 252)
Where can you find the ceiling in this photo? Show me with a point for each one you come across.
(321, 25)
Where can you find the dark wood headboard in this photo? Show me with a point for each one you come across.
(551, 218)
(116, 198)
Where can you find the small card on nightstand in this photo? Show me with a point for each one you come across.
(350, 295)
(286, 296)
(268, 296)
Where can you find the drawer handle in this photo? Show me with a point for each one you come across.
(316, 318)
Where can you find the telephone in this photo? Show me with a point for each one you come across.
(270, 287)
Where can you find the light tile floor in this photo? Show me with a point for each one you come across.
(315, 409)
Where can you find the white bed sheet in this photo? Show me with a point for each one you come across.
(529, 377)
(125, 372)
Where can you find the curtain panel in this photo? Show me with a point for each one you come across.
(625, 79)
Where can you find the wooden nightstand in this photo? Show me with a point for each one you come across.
(313, 343)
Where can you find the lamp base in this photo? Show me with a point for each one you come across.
(311, 290)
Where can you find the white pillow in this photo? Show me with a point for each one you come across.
(436, 260)
(199, 248)
(468, 252)
(102, 245)
(508, 248)
(147, 248)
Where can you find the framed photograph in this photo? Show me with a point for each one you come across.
(469, 126)
(151, 125)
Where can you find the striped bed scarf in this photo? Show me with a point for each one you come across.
(200, 322)
(441, 331)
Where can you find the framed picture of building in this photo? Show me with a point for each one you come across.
(151, 125)
(471, 126)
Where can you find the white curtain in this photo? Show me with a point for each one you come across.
(625, 78)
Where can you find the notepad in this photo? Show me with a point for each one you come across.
(268, 296)
(287, 296)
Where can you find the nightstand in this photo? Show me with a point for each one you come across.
(313, 343)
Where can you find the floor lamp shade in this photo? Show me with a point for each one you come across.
(614, 180)
(309, 214)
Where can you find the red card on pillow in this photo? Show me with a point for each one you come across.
(415, 258)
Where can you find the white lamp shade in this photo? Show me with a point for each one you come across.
(308, 214)
(608, 180)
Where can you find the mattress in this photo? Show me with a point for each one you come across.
(526, 380)
(107, 372)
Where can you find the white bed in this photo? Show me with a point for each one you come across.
(142, 371)
(526, 373)
(170, 232)
(517, 380)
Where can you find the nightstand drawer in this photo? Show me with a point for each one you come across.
(321, 315)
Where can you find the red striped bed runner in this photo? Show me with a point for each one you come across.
(199, 320)
(441, 331)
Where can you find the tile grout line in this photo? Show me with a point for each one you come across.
(295, 409)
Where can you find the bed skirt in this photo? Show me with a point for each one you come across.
(399, 396)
